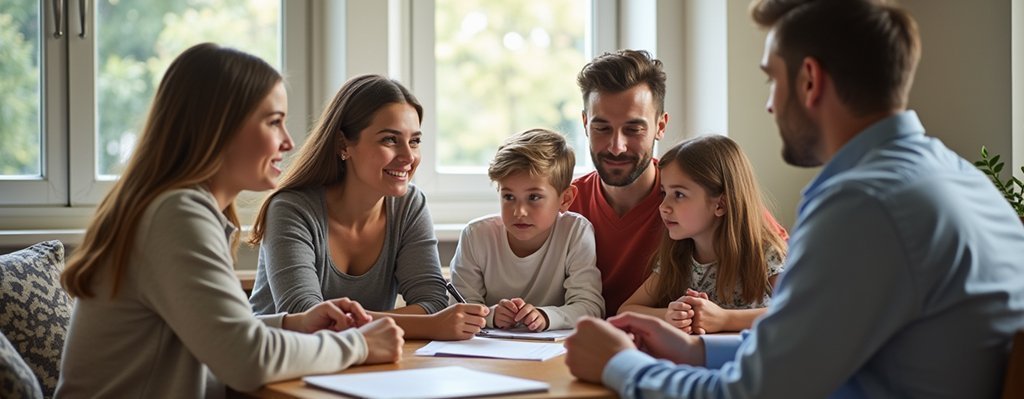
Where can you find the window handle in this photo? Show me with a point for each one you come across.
(82, 7)
(58, 17)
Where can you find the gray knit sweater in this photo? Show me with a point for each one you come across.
(295, 270)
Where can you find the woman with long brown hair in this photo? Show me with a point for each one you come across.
(347, 222)
(159, 312)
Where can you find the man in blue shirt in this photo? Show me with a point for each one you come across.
(904, 276)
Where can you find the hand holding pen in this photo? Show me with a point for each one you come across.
(461, 320)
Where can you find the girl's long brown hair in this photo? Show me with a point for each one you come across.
(743, 239)
(318, 162)
(204, 98)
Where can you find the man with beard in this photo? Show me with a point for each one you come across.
(893, 213)
(624, 115)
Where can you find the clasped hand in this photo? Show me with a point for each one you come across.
(511, 312)
(596, 341)
(694, 313)
(335, 315)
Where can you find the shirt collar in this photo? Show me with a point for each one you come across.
(903, 124)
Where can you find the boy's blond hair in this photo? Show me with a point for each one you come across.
(540, 152)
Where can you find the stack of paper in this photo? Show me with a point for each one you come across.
(429, 383)
(550, 335)
(492, 348)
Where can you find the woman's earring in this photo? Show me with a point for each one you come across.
(344, 156)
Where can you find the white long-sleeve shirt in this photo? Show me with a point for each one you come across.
(561, 278)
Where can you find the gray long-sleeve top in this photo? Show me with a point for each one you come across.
(295, 270)
(179, 325)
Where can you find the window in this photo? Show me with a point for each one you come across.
(502, 67)
(132, 44)
(31, 163)
(77, 84)
(20, 90)
(137, 39)
(487, 69)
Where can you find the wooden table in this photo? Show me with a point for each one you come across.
(552, 371)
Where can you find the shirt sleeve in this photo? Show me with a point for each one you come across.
(467, 270)
(582, 282)
(821, 323)
(187, 280)
(418, 266)
(721, 348)
(288, 252)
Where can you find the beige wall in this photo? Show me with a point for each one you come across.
(962, 91)
(750, 124)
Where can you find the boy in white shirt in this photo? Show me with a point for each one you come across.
(535, 263)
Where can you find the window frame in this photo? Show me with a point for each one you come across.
(68, 191)
(453, 195)
(51, 187)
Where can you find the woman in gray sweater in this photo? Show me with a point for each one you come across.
(159, 312)
(346, 222)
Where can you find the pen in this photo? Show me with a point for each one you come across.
(455, 293)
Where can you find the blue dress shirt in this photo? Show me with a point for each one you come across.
(905, 278)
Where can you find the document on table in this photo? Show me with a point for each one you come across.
(523, 333)
(492, 348)
(428, 383)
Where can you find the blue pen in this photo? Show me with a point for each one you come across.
(455, 293)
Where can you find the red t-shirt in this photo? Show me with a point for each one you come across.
(625, 244)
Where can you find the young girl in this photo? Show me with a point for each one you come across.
(158, 310)
(720, 256)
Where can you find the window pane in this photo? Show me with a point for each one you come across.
(20, 124)
(137, 39)
(504, 66)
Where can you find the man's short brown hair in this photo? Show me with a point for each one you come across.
(620, 71)
(869, 48)
(540, 152)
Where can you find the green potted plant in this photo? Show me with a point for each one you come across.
(1012, 189)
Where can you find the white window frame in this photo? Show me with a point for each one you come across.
(69, 189)
(457, 197)
(51, 188)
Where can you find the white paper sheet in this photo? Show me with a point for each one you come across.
(493, 348)
(427, 383)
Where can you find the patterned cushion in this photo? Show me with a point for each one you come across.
(16, 379)
(34, 309)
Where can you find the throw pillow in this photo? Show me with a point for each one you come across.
(35, 309)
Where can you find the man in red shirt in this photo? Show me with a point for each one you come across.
(623, 115)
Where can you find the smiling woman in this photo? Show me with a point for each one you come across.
(152, 273)
(346, 221)
(250, 163)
